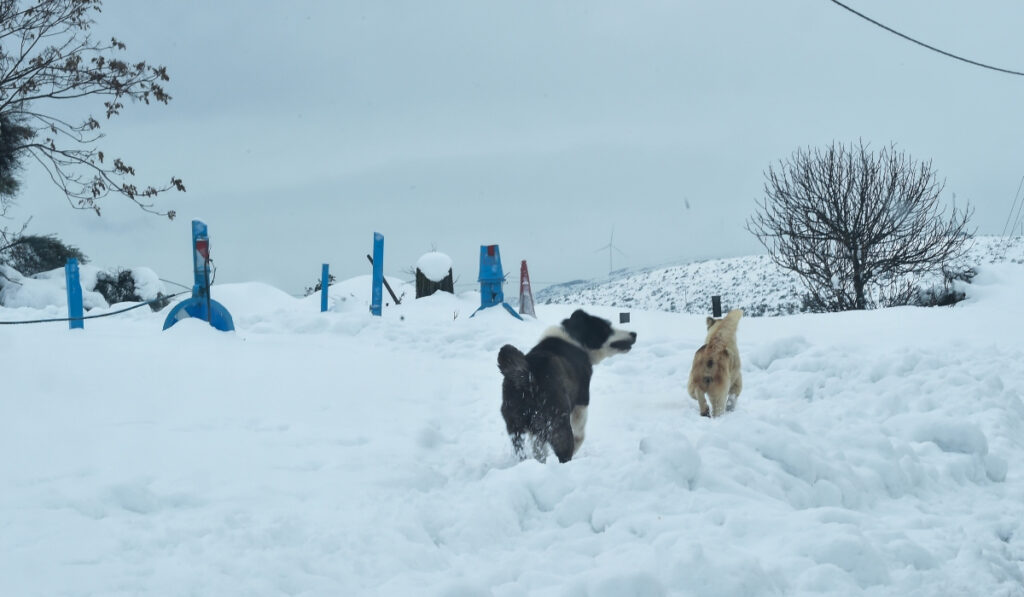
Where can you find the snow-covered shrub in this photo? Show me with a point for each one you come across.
(117, 286)
(121, 285)
(950, 291)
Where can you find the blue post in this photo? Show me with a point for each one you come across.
(201, 306)
(324, 276)
(75, 311)
(377, 290)
(491, 279)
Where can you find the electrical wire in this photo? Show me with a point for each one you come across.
(149, 302)
(1009, 216)
(1016, 221)
(924, 45)
(176, 284)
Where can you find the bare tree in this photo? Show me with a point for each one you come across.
(858, 227)
(47, 54)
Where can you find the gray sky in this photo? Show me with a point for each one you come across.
(301, 128)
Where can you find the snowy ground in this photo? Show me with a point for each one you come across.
(873, 453)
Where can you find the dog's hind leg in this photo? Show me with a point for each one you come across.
(698, 395)
(539, 445)
(718, 404)
(517, 445)
(515, 425)
(562, 441)
(577, 420)
(734, 393)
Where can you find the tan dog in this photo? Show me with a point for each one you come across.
(716, 367)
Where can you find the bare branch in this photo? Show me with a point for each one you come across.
(47, 54)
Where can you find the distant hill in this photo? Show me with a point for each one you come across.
(752, 283)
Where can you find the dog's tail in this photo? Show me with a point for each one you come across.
(512, 364)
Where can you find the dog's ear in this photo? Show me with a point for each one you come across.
(577, 317)
(711, 322)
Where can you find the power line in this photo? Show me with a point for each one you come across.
(922, 44)
(1013, 207)
(1020, 210)
(175, 283)
(150, 302)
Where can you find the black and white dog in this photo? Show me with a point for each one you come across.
(546, 392)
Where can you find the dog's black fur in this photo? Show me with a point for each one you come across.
(546, 392)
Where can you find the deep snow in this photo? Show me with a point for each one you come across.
(309, 453)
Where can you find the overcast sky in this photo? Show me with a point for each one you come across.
(300, 128)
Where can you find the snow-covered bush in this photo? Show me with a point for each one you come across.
(117, 286)
(120, 285)
(950, 291)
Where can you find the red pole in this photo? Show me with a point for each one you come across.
(525, 293)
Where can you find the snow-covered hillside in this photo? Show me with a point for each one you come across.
(324, 454)
(752, 283)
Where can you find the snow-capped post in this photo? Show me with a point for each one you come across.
(201, 305)
(377, 288)
(433, 273)
(716, 306)
(491, 278)
(324, 276)
(525, 292)
(75, 311)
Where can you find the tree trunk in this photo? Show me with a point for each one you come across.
(858, 288)
(860, 301)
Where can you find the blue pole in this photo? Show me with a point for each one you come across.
(378, 274)
(74, 295)
(201, 305)
(200, 259)
(324, 276)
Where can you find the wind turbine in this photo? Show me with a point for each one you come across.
(611, 247)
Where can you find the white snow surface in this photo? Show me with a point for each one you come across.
(307, 453)
(434, 265)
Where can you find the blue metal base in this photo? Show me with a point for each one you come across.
(194, 307)
(507, 308)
